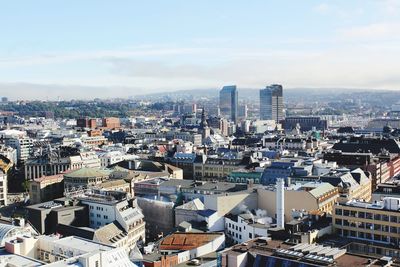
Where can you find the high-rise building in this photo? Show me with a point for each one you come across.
(242, 111)
(228, 102)
(271, 103)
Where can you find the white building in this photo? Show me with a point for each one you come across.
(108, 158)
(106, 207)
(246, 226)
(60, 252)
(3, 189)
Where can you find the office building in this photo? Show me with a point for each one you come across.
(375, 222)
(271, 103)
(308, 123)
(86, 123)
(111, 123)
(228, 102)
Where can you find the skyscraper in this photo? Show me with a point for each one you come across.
(271, 103)
(228, 102)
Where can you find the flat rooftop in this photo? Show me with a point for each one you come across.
(9, 259)
(84, 245)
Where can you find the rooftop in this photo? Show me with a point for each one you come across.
(87, 173)
(187, 241)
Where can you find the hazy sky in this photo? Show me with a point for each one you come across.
(84, 48)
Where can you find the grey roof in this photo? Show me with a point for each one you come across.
(87, 173)
(195, 204)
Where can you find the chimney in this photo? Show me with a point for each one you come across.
(280, 203)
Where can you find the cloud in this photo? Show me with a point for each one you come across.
(375, 31)
(53, 58)
(389, 7)
(33, 91)
(322, 8)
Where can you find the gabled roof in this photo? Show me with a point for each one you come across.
(195, 204)
(321, 189)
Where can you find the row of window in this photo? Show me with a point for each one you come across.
(98, 215)
(232, 234)
(369, 236)
(231, 225)
(368, 226)
(367, 215)
(97, 208)
(97, 223)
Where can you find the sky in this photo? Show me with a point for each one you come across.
(93, 48)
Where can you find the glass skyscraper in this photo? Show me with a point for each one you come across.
(271, 103)
(228, 102)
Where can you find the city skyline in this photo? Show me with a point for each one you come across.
(134, 48)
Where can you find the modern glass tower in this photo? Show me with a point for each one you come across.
(271, 103)
(228, 102)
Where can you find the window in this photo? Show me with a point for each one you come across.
(338, 211)
(250, 235)
(105, 217)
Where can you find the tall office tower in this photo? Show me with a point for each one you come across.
(271, 103)
(228, 102)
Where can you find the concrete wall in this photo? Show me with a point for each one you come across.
(236, 260)
(293, 200)
(217, 244)
(185, 215)
(231, 203)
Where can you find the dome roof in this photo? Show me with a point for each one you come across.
(87, 173)
(9, 231)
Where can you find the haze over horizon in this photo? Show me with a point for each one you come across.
(81, 49)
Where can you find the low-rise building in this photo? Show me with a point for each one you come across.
(179, 248)
(63, 252)
(85, 177)
(246, 226)
(46, 188)
(104, 216)
(314, 196)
